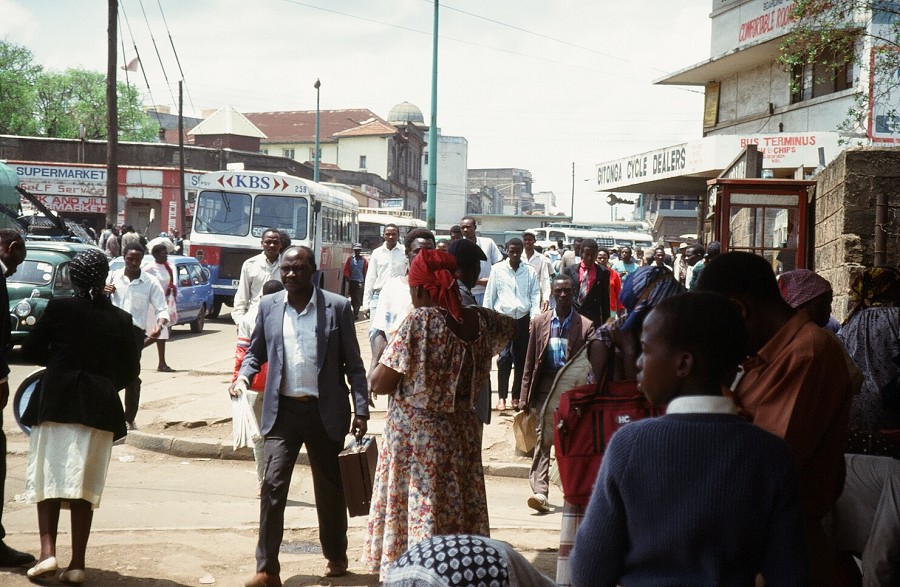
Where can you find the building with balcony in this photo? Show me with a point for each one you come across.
(750, 100)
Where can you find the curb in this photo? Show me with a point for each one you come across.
(209, 449)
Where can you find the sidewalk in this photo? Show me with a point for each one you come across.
(196, 423)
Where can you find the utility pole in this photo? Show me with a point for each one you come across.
(317, 85)
(572, 205)
(182, 204)
(112, 117)
(431, 195)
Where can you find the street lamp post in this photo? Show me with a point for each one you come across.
(317, 85)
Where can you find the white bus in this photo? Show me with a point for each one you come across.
(373, 220)
(234, 208)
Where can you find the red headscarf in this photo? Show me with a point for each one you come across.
(433, 270)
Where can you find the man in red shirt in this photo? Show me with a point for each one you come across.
(795, 384)
(591, 284)
(615, 282)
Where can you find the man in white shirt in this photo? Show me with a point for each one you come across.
(468, 226)
(255, 272)
(386, 261)
(135, 292)
(512, 289)
(541, 266)
(307, 338)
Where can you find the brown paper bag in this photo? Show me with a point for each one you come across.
(524, 431)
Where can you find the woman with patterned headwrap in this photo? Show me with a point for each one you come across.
(429, 480)
(616, 345)
(871, 335)
(89, 350)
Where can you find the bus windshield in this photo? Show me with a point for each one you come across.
(287, 213)
(222, 213)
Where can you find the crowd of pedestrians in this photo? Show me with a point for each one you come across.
(776, 456)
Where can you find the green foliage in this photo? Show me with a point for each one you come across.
(60, 104)
(17, 78)
(864, 33)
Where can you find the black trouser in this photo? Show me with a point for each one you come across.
(512, 358)
(299, 423)
(356, 293)
(133, 389)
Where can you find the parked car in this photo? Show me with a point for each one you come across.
(195, 292)
(43, 275)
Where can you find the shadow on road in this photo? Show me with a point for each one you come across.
(366, 580)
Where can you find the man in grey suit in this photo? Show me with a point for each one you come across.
(308, 338)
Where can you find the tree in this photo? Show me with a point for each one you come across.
(76, 99)
(17, 78)
(47, 103)
(834, 35)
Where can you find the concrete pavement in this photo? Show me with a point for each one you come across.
(198, 424)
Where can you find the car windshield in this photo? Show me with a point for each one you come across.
(33, 273)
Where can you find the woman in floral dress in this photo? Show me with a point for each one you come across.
(429, 480)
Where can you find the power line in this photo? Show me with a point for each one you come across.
(175, 52)
(138, 56)
(156, 49)
(462, 41)
(547, 37)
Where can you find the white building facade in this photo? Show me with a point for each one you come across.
(750, 100)
(450, 191)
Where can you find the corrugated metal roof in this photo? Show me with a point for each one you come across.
(373, 128)
(299, 126)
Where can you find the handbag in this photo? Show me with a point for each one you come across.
(585, 420)
(525, 431)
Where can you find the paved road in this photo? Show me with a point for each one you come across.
(166, 520)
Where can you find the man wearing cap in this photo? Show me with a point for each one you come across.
(355, 276)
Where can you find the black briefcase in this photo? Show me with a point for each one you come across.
(357, 463)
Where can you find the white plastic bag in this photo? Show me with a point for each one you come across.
(244, 427)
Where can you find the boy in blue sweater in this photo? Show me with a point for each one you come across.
(698, 496)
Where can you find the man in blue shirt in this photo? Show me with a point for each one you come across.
(555, 337)
(625, 265)
(355, 275)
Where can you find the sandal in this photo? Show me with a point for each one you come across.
(165, 369)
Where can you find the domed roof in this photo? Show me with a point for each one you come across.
(406, 112)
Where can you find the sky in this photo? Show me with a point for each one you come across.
(531, 84)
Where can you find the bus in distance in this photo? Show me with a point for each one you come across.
(235, 208)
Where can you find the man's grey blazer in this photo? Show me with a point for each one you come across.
(338, 360)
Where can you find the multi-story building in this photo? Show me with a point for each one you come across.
(750, 100)
(357, 146)
(452, 173)
(510, 188)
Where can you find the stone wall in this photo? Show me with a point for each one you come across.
(846, 193)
